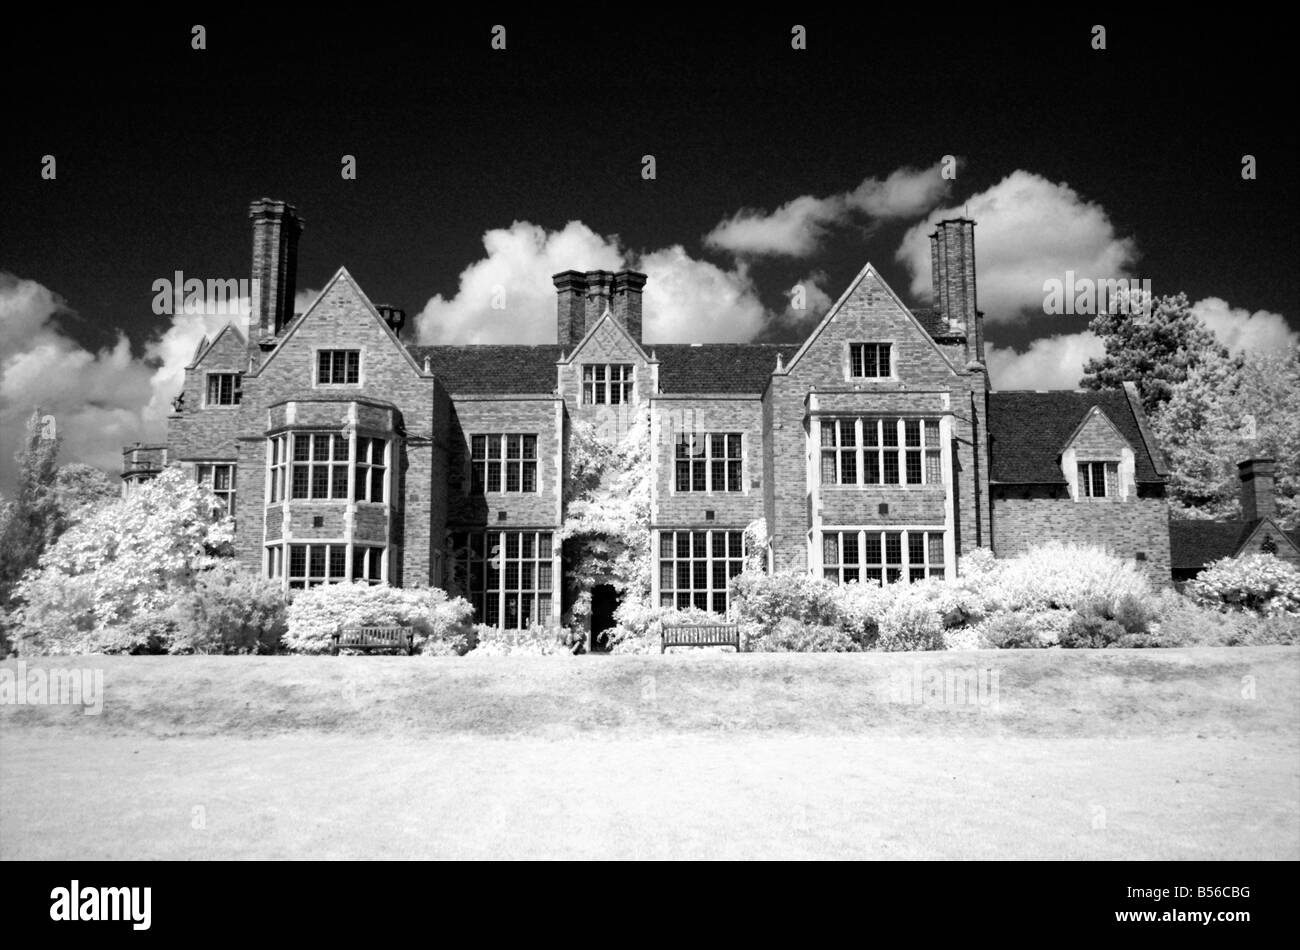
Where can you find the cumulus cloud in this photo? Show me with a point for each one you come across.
(507, 296)
(1054, 362)
(796, 228)
(1028, 230)
(1240, 330)
(100, 400)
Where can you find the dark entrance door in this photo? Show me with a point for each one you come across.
(604, 601)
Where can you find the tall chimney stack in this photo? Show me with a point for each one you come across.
(1257, 485)
(570, 307)
(952, 269)
(600, 295)
(276, 227)
(628, 285)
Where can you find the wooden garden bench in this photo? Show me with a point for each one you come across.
(374, 638)
(701, 635)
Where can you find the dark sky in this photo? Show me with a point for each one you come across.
(160, 148)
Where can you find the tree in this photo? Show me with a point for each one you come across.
(107, 582)
(1155, 351)
(1222, 413)
(31, 519)
(80, 488)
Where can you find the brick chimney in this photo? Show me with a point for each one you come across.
(1257, 477)
(570, 307)
(952, 270)
(600, 295)
(627, 301)
(276, 227)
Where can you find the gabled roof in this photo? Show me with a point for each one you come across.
(488, 369)
(1028, 431)
(718, 367)
(867, 271)
(339, 275)
(1193, 544)
(205, 345)
(607, 316)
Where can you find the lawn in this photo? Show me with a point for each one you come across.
(1080, 754)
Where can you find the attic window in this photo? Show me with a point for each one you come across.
(337, 367)
(606, 383)
(224, 389)
(869, 360)
(1098, 479)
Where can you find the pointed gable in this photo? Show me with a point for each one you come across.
(869, 312)
(608, 342)
(227, 352)
(1096, 437)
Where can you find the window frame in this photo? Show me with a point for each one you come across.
(874, 560)
(496, 601)
(679, 558)
(333, 353)
(228, 494)
(857, 360)
(236, 390)
(706, 464)
(1109, 480)
(882, 449)
(597, 379)
(497, 469)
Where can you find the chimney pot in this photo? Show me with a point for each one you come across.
(276, 227)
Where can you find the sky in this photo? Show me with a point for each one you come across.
(480, 172)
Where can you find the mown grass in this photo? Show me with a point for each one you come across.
(1086, 754)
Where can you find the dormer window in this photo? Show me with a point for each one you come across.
(224, 389)
(338, 367)
(870, 360)
(1098, 479)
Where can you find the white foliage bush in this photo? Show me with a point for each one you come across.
(1059, 577)
(535, 641)
(441, 624)
(1259, 583)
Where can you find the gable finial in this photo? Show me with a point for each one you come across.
(428, 366)
(780, 365)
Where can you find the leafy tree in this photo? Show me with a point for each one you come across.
(106, 583)
(32, 518)
(80, 488)
(1156, 351)
(1222, 413)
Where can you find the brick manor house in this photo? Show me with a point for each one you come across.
(874, 450)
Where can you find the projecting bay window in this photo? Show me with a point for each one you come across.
(508, 576)
(371, 468)
(314, 466)
(708, 462)
(224, 389)
(503, 463)
(1098, 479)
(695, 568)
(871, 451)
(310, 565)
(220, 480)
(881, 556)
(606, 383)
(320, 465)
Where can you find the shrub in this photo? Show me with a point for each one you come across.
(228, 610)
(535, 641)
(765, 599)
(1008, 631)
(1260, 583)
(316, 614)
(1061, 577)
(795, 636)
(911, 621)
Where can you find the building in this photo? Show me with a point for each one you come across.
(1194, 544)
(872, 451)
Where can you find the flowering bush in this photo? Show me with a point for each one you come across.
(762, 600)
(535, 641)
(1260, 583)
(1058, 577)
(228, 610)
(795, 636)
(441, 623)
(911, 621)
(102, 586)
